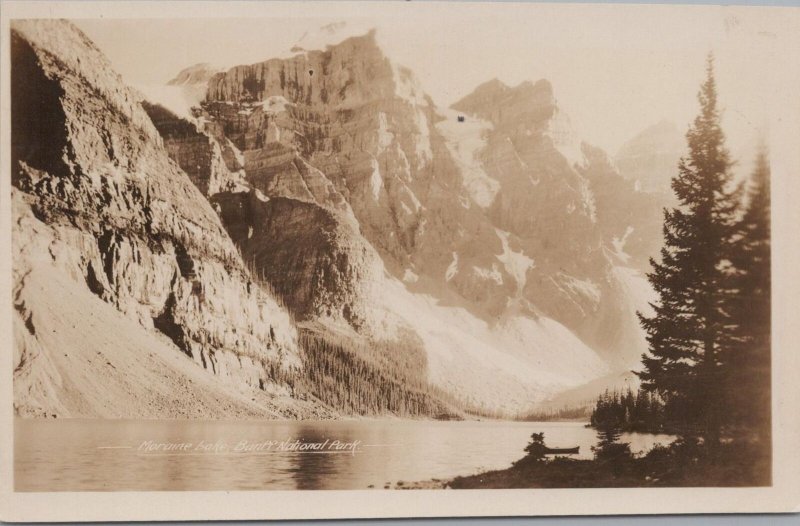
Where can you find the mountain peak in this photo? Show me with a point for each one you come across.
(333, 34)
(493, 86)
(663, 135)
(348, 72)
(496, 102)
(195, 74)
(651, 157)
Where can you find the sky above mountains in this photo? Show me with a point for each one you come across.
(615, 69)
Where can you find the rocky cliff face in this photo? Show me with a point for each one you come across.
(318, 263)
(629, 219)
(347, 129)
(502, 255)
(558, 200)
(340, 111)
(127, 223)
(381, 211)
(211, 166)
(485, 234)
(536, 176)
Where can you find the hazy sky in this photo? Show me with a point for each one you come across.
(615, 69)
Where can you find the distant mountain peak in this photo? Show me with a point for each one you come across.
(195, 74)
(650, 158)
(332, 34)
(496, 102)
(494, 85)
(541, 86)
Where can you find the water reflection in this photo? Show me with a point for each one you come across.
(105, 455)
(312, 469)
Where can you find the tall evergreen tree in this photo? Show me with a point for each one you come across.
(748, 370)
(691, 322)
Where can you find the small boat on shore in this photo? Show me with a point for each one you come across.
(562, 450)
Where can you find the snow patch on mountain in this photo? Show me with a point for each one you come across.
(422, 139)
(516, 263)
(237, 153)
(179, 99)
(492, 274)
(619, 245)
(196, 74)
(385, 137)
(637, 289)
(465, 140)
(580, 287)
(407, 86)
(329, 35)
(408, 200)
(375, 180)
(588, 203)
(409, 276)
(452, 270)
(637, 297)
(274, 104)
(185, 91)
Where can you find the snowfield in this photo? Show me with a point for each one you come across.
(465, 140)
(509, 365)
(177, 99)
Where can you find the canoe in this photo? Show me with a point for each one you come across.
(562, 450)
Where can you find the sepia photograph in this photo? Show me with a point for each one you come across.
(413, 247)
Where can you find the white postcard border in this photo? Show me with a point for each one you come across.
(783, 496)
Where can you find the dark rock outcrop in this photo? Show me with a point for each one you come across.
(212, 167)
(313, 259)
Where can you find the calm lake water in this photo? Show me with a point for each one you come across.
(114, 455)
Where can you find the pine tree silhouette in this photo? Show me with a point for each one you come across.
(692, 320)
(748, 363)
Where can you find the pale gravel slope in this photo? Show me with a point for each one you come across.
(77, 356)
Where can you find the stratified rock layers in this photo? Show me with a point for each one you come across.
(128, 223)
(489, 207)
(486, 233)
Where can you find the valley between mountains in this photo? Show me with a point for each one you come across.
(311, 237)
